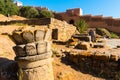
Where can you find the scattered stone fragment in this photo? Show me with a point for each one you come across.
(20, 50)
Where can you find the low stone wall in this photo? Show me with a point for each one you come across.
(43, 21)
(100, 64)
(65, 30)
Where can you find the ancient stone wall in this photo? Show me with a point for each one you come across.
(93, 21)
(65, 30)
(102, 64)
(42, 21)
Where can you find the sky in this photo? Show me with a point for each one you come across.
(94, 7)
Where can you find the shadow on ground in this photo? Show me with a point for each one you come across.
(66, 61)
(8, 69)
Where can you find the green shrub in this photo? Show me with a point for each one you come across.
(46, 14)
(113, 35)
(8, 7)
(103, 32)
(81, 26)
(28, 12)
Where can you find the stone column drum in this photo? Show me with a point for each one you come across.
(34, 58)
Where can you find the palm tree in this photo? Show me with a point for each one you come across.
(81, 26)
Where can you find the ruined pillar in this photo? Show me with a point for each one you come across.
(34, 57)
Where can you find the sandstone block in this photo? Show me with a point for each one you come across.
(85, 54)
(18, 38)
(49, 45)
(47, 35)
(83, 46)
(20, 50)
(38, 71)
(103, 57)
(99, 45)
(33, 64)
(36, 57)
(28, 36)
(41, 47)
(39, 35)
(30, 49)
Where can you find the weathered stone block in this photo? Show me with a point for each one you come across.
(47, 35)
(41, 47)
(83, 46)
(49, 43)
(82, 38)
(38, 70)
(39, 35)
(30, 49)
(36, 57)
(102, 57)
(85, 54)
(20, 50)
(18, 37)
(99, 45)
(28, 36)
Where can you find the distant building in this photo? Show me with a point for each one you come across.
(39, 8)
(76, 11)
(18, 3)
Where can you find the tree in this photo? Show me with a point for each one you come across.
(8, 7)
(81, 26)
(46, 14)
(28, 12)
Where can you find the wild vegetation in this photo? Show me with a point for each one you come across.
(113, 35)
(104, 32)
(8, 7)
(46, 14)
(28, 12)
(81, 26)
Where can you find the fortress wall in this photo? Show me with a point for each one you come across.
(94, 21)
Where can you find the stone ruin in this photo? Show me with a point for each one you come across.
(96, 58)
(33, 54)
(100, 63)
